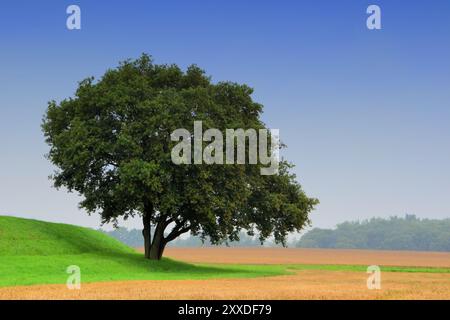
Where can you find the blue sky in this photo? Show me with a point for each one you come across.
(365, 113)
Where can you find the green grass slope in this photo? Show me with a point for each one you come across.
(20, 236)
(37, 252)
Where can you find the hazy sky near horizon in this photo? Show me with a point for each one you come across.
(365, 113)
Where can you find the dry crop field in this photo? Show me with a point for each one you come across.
(301, 284)
(310, 284)
(309, 256)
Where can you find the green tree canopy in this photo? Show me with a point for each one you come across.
(112, 144)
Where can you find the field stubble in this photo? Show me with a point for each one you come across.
(307, 284)
(309, 256)
(304, 284)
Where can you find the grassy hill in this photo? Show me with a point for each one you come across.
(20, 236)
(37, 252)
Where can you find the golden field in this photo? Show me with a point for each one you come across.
(303, 284)
(309, 256)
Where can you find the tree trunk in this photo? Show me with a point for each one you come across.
(157, 251)
(158, 243)
(147, 231)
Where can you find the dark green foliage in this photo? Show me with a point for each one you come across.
(409, 233)
(111, 144)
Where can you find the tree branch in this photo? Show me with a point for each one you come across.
(177, 231)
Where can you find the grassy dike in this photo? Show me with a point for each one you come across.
(37, 252)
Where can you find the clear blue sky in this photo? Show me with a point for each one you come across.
(365, 114)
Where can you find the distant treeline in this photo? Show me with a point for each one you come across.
(395, 233)
(134, 238)
(408, 233)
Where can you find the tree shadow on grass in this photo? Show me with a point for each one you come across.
(168, 265)
(29, 270)
(174, 267)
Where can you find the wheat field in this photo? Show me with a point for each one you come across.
(301, 284)
(309, 256)
(309, 284)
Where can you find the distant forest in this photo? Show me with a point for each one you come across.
(134, 238)
(395, 233)
(408, 233)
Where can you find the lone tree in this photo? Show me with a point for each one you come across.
(112, 144)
